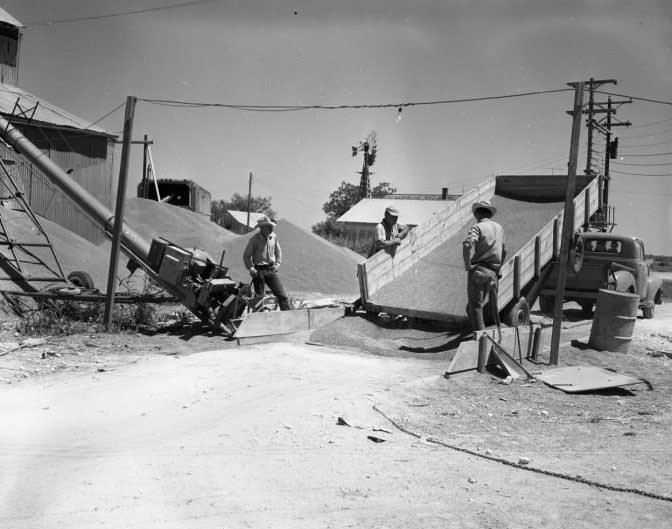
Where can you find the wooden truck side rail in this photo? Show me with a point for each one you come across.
(525, 266)
(519, 273)
(423, 239)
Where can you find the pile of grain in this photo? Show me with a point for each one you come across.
(438, 283)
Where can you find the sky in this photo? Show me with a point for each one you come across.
(369, 52)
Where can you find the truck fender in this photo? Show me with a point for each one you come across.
(622, 281)
(654, 290)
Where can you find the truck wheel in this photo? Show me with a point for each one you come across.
(587, 308)
(547, 304)
(519, 314)
(81, 279)
(647, 312)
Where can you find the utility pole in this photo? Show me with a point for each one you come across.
(119, 211)
(249, 200)
(567, 219)
(593, 84)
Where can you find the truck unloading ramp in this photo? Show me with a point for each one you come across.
(426, 276)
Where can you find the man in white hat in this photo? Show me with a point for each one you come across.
(262, 257)
(484, 251)
(388, 232)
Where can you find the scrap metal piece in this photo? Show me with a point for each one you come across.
(576, 379)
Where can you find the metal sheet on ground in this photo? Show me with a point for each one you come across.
(438, 282)
(284, 322)
(575, 379)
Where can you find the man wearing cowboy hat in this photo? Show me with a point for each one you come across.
(484, 251)
(388, 233)
(262, 257)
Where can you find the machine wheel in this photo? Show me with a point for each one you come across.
(647, 312)
(587, 308)
(519, 314)
(81, 279)
(547, 304)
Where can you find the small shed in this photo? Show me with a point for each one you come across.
(236, 221)
(183, 193)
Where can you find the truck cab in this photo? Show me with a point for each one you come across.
(609, 261)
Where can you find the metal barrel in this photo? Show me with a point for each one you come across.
(99, 214)
(614, 320)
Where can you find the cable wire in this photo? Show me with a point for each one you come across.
(294, 108)
(119, 14)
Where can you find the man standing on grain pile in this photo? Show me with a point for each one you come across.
(484, 251)
(388, 232)
(262, 257)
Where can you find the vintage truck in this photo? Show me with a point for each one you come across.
(609, 261)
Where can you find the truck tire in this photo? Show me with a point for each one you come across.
(547, 304)
(647, 312)
(519, 314)
(81, 279)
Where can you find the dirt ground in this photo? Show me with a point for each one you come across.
(353, 425)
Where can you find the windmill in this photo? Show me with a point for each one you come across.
(370, 149)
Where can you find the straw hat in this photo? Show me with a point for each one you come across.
(265, 221)
(483, 204)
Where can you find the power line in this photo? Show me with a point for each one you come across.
(293, 108)
(635, 98)
(638, 174)
(119, 14)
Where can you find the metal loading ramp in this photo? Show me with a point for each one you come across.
(432, 283)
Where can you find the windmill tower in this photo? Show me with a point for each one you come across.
(369, 149)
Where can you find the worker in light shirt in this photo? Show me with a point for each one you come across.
(262, 257)
(484, 251)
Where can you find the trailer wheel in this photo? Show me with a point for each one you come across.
(547, 304)
(519, 314)
(81, 279)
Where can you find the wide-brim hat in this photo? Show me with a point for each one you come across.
(265, 221)
(483, 204)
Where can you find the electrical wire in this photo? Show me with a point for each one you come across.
(294, 108)
(634, 98)
(119, 14)
(637, 174)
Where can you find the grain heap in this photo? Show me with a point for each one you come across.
(438, 283)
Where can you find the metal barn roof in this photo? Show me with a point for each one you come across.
(8, 19)
(45, 113)
(241, 217)
(372, 210)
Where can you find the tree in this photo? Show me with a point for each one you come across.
(347, 195)
(238, 202)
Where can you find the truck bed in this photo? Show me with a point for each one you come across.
(438, 283)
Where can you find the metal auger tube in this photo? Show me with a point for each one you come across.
(97, 212)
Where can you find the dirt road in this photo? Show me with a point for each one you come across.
(250, 437)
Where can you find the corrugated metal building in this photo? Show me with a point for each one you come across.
(85, 152)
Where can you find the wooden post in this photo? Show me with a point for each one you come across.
(145, 184)
(119, 211)
(249, 200)
(568, 220)
(482, 353)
